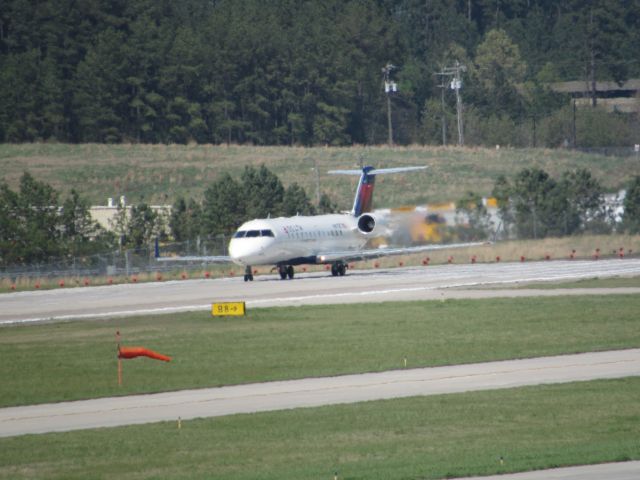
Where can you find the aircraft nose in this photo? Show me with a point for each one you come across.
(236, 250)
(246, 250)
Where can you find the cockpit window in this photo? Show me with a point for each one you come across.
(253, 233)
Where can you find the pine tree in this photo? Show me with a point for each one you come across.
(296, 202)
(262, 191)
(223, 207)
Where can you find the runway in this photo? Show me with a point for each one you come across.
(604, 471)
(314, 392)
(414, 283)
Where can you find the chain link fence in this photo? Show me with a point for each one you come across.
(121, 262)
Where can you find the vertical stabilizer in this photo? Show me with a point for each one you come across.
(363, 201)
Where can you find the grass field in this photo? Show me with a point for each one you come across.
(66, 361)
(159, 173)
(414, 438)
(615, 282)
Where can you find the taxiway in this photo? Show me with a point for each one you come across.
(314, 392)
(603, 471)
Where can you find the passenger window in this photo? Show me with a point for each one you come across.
(253, 233)
(266, 233)
(240, 234)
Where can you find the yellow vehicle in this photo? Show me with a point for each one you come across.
(430, 229)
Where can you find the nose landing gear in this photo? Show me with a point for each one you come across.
(248, 274)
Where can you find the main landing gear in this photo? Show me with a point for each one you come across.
(248, 274)
(285, 271)
(338, 268)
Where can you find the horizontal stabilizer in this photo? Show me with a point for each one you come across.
(362, 202)
(376, 171)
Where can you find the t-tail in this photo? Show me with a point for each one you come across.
(363, 201)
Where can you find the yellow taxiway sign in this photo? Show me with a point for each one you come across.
(223, 309)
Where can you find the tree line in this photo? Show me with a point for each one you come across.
(35, 225)
(299, 72)
(535, 205)
(229, 202)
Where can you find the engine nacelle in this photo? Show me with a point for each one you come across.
(369, 225)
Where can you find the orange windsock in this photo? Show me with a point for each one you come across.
(133, 352)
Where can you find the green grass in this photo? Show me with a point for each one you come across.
(159, 173)
(615, 282)
(75, 360)
(414, 438)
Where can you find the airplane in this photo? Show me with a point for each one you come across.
(334, 239)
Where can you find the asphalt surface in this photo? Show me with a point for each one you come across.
(603, 471)
(414, 283)
(314, 392)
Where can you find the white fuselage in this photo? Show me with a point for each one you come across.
(294, 240)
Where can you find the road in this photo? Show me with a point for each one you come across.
(604, 471)
(313, 392)
(414, 283)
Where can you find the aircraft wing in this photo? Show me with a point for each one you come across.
(195, 258)
(357, 255)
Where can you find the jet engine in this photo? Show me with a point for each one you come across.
(367, 224)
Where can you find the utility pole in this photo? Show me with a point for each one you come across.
(444, 118)
(573, 126)
(317, 179)
(389, 88)
(442, 86)
(455, 84)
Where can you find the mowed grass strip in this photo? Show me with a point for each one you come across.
(414, 438)
(615, 282)
(160, 173)
(76, 360)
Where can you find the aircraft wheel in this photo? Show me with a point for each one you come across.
(342, 269)
(248, 274)
(290, 272)
(334, 269)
